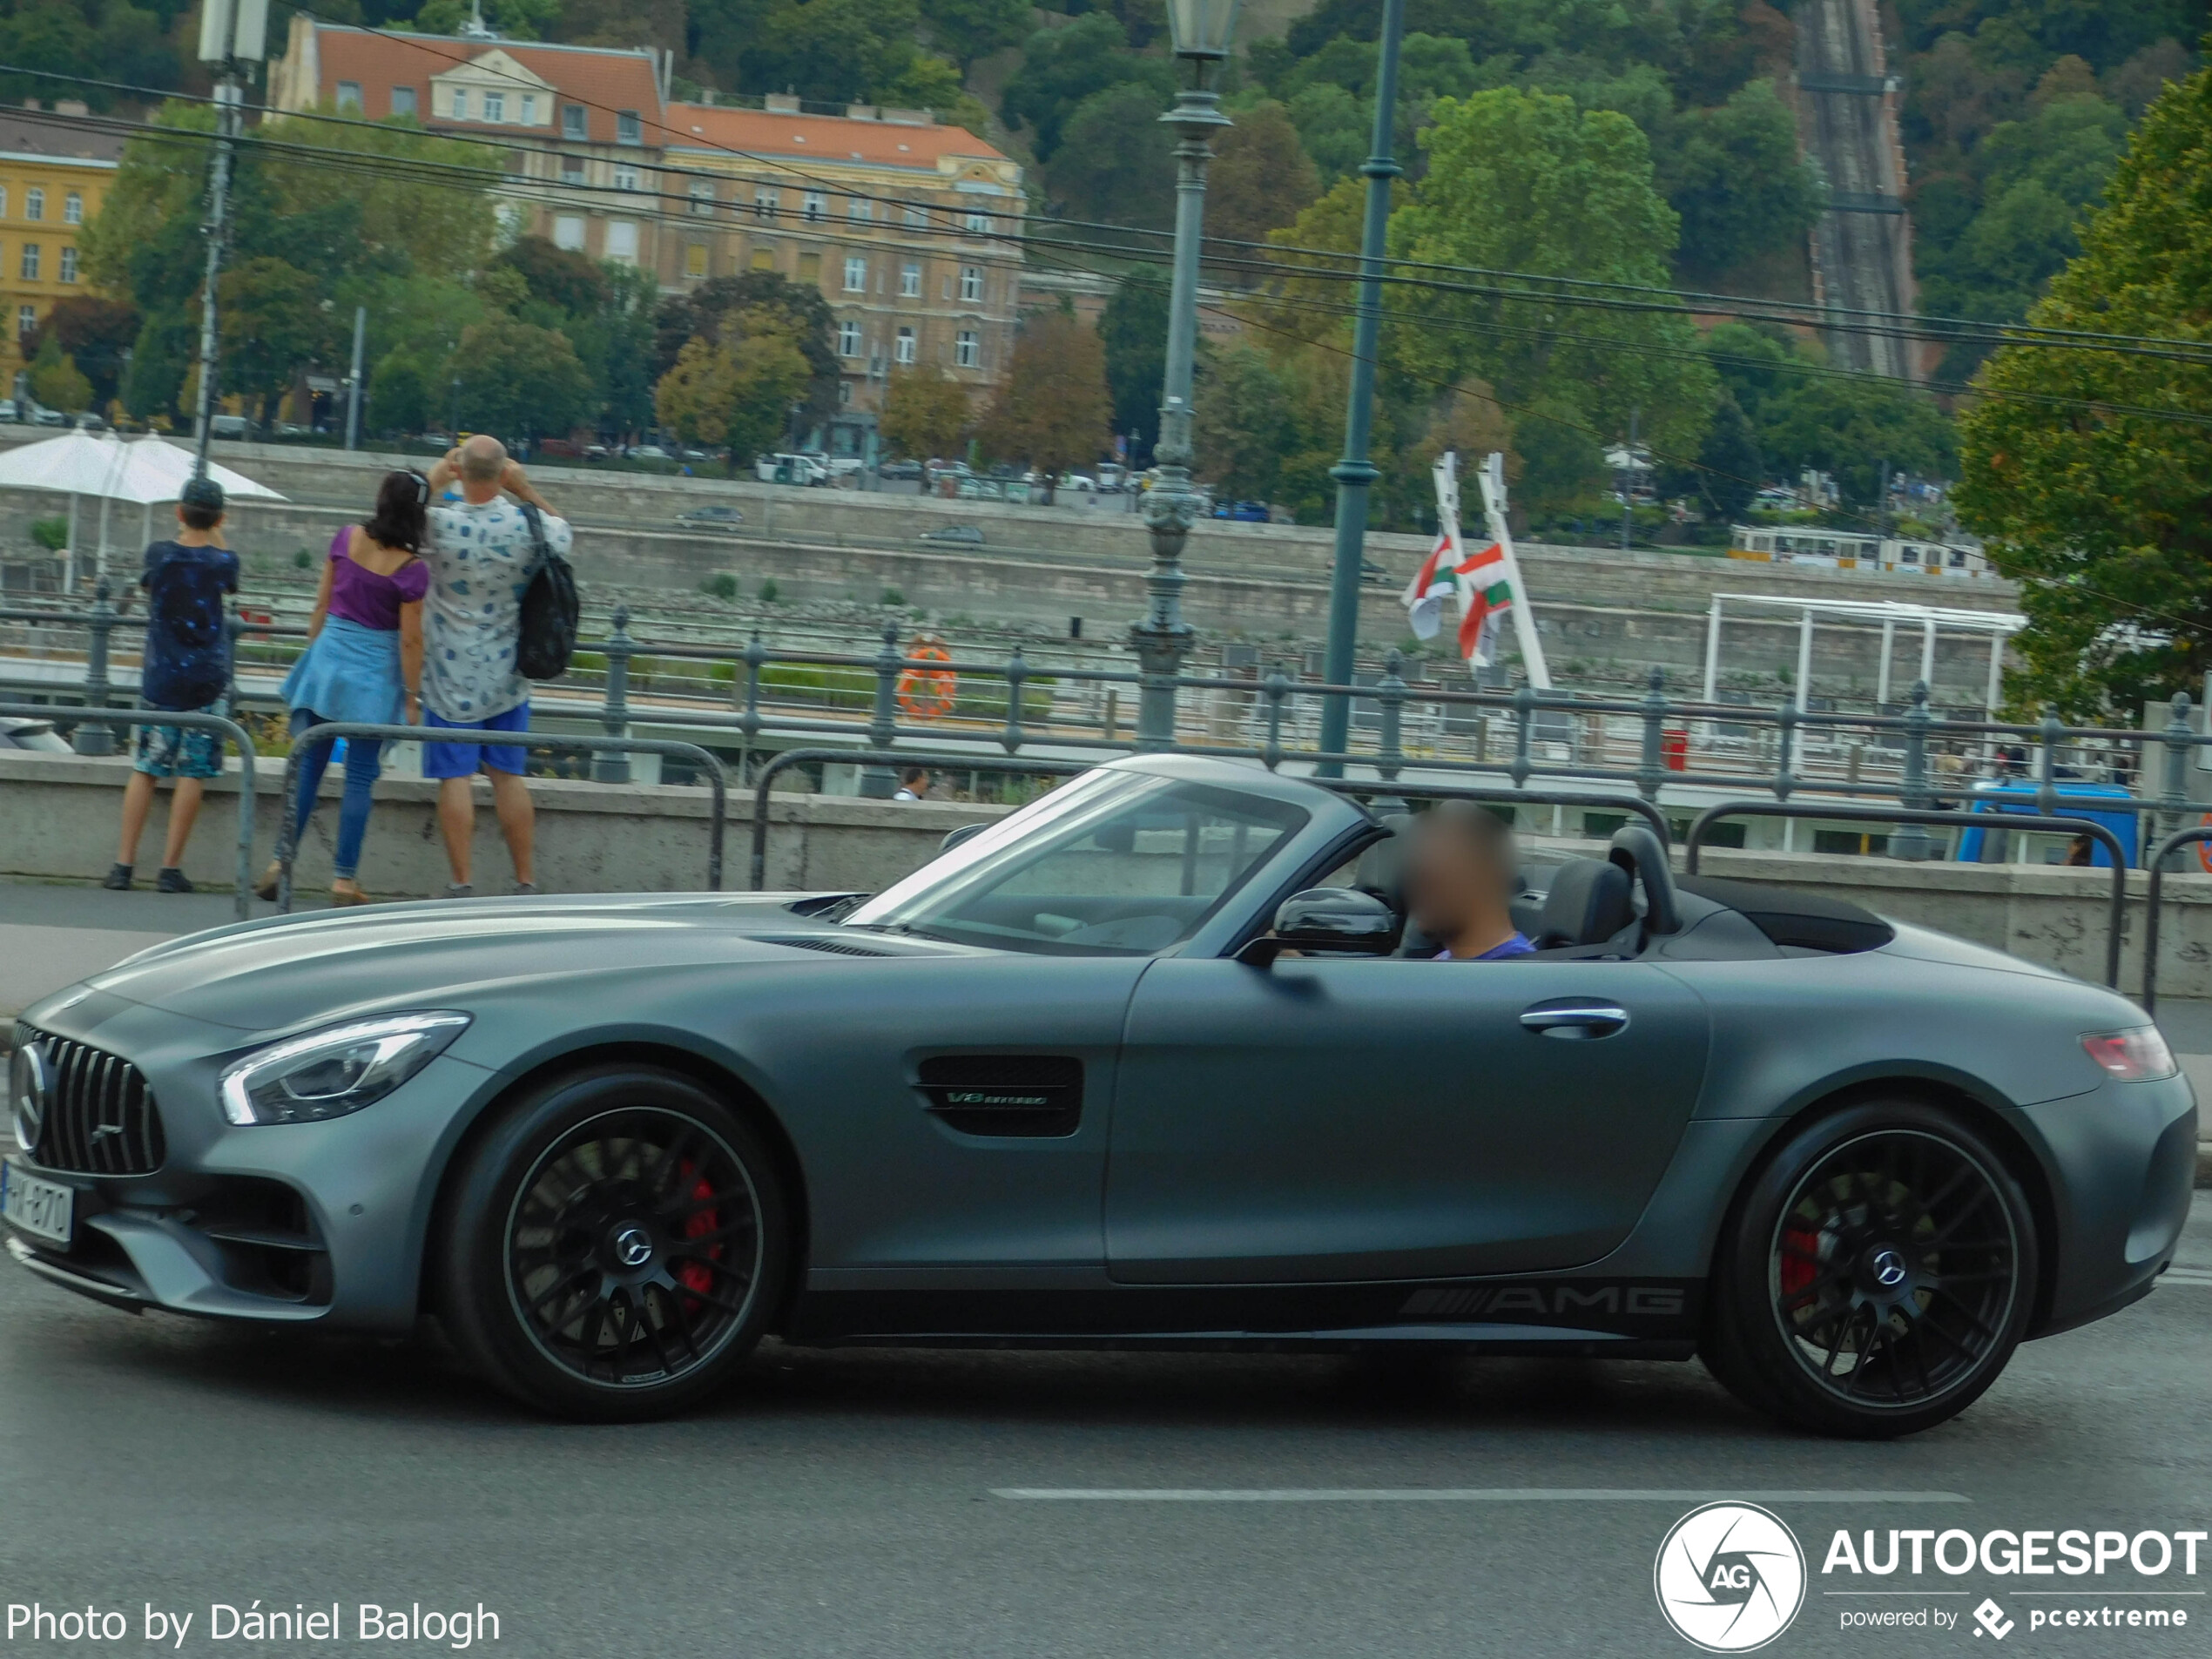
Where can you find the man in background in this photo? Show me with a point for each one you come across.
(1460, 884)
(187, 668)
(914, 783)
(482, 557)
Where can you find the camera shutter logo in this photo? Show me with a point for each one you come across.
(1729, 1577)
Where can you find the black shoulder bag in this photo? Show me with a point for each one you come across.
(549, 610)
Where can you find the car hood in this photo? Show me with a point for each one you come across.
(271, 975)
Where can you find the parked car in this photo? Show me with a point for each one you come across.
(649, 452)
(785, 468)
(7, 410)
(956, 535)
(16, 734)
(52, 417)
(716, 517)
(89, 421)
(1077, 483)
(980, 489)
(899, 471)
(692, 454)
(236, 428)
(595, 452)
(1112, 477)
(1243, 512)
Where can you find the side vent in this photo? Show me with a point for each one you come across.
(1026, 1095)
(834, 946)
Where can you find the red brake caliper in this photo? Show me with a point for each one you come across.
(1800, 1260)
(692, 1275)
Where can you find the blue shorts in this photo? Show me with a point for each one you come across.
(181, 750)
(460, 759)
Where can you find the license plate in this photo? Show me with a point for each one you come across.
(43, 1208)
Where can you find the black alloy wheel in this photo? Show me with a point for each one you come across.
(1878, 1276)
(613, 1245)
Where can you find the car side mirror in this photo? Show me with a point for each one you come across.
(955, 838)
(1328, 921)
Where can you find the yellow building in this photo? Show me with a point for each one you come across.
(55, 170)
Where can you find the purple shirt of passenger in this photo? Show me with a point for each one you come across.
(1518, 945)
(358, 594)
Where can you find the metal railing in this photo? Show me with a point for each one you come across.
(2116, 906)
(330, 732)
(2155, 901)
(230, 729)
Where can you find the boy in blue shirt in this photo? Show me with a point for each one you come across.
(186, 667)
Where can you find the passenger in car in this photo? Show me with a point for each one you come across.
(1459, 881)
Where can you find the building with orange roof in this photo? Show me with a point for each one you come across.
(910, 229)
(583, 126)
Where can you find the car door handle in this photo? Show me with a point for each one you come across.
(1575, 1021)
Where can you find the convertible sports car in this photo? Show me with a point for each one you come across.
(1150, 1061)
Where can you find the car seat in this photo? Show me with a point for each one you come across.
(1590, 900)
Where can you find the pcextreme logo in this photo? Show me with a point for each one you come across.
(1729, 1577)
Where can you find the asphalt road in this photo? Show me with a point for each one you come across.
(852, 1503)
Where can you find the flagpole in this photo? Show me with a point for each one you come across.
(1491, 477)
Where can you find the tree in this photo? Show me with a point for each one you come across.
(573, 282)
(402, 395)
(695, 397)
(1735, 177)
(95, 334)
(273, 325)
(1525, 181)
(1062, 67)
(926, 413)
(1261, 178)
(1133, 331)
(56, 382)
(1241, 423)
(701, 313)
(968, 30)
(1116, 163)
(1729, 468)
(2097, 510)
(518, 380)
(738, 390)
(1051, 414)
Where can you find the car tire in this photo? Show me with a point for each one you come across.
(613, 1245)
(1875, 1274)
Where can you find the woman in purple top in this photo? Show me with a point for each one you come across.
(363, 663)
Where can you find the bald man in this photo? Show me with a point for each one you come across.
(482, 557)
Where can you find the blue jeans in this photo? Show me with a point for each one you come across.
(362, 755)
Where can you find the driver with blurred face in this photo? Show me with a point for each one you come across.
(1459, 882)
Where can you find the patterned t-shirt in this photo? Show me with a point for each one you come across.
(480, 562)
(187, 658)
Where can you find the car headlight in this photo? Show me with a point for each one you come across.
(2131, 1057)
(330, 1073)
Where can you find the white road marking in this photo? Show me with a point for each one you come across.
(2199, 1276)
(1454, 1494)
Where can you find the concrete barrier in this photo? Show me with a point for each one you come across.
(59, 813)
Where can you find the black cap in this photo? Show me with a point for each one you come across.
(203, 492)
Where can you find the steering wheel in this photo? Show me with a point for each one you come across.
(1643, 856)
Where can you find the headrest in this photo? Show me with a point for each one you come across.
(1589, 902)
(1381, 869)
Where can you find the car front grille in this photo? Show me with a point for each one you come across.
(100, 1118)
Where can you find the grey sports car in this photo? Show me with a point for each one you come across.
(1150, 1061)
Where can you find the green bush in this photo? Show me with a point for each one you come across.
(768, 591)
(891, 596)
(53, 534)
(301, 558)
(721, 585)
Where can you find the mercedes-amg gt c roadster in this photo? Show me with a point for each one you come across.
(1149, 1062)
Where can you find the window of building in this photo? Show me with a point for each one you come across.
(971, 282)
(26, 319)
(964, 352)
(1958, 558)
(572, 122)
(73, 209)
(1912, 555)
(69, 265)
(763, 204)
(910, 280)
(814, 205)
(622, 240)
(495, 106)
(403, 100)
(844, 393)
(628, 128)
(625, 175)
(695, 260)
(860, 208)
(764, 259)
(848, 339)
(702, 198)
(571, 170)
(4, 201)
(33, 203)
(979, 224)
(530, 109)
(856, 275)
(917, 217)
(903, 350)
(568, 232)
(460, 103)
(31, 253)
(810, 268)
(349, 97)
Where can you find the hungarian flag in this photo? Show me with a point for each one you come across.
(1432, 585)
(1485, 593)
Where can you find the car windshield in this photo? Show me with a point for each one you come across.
(1122, 863)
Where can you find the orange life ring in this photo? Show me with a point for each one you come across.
(928, 693)
(2204, 848)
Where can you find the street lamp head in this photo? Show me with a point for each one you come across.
(1201, 28)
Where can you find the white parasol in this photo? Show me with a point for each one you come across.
(142, 472)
